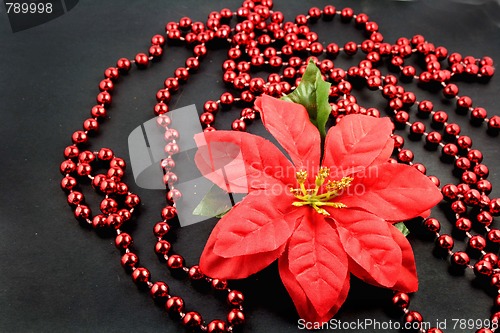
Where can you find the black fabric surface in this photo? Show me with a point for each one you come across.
(56, 276)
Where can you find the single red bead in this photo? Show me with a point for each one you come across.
(192, 320)
(460, 258)
(168, 212)
(216, 326)
(226, 98)
(494, 123)
(159, 291)
(472, 197)
(108, 206)
(405, 156)
(450, 150)
(90, 124)
(195, 273)
(155, 51)
(487, 71)
(425, 106)
(464, 142)
(161, 229)
(494, 235)
(463, 224)
(79, 137)
(129, 260)
(440, 117)
(207, 118)
(182, 74)
(123, 241)
(490, 257)
(82, 212)
(235, 298)
(434, 137)
(417, 128)
(98, 111)
(432, 224)
(123, 64)
(450, 191)
(464, 102)
(114, 221)
(175, 261)
(75, 198)
(162, 247)
(219, 284)
(141, 60)
(494, 207)
(172, 84)
(475, 156)
(174, 305)
(445, 242)
(239, 125)
(236, 317)
(450, 90)
(68, 183)
(477, 242)
(401, 300)
(483, 268)
(413, 317)
(458, 207)
(469, 177)
(484, 186)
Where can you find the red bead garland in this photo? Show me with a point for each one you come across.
(263, 39)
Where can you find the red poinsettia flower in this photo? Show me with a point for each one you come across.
(322, 221)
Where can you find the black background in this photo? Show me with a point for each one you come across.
(58, 276)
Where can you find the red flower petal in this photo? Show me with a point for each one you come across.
(318, 262)
(235, 267)
(407, 279)
(262, 222)
(367, 239)
(394, 192)
(289, 124)
(240, 162)
(357, 142)
(303, 305)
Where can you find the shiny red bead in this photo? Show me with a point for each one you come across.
(192, 320)
(159, 291)
(174, 305)
(460, 258)
(129, 260)
(483, 268)
(175, 262)
(123, 241)
(446, 242)
(195, 273)
(413, 317)
(168, 212)
(477, 242)
(216, 326)
(141, 60)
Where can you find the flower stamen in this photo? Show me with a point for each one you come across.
(313, 197)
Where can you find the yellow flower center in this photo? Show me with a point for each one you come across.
(322, 194)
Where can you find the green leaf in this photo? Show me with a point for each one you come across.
(313, 93)
(402, 227)
(215, 203)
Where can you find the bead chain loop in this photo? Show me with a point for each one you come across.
(254, 43)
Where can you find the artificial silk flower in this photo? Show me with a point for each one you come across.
(323, 220)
